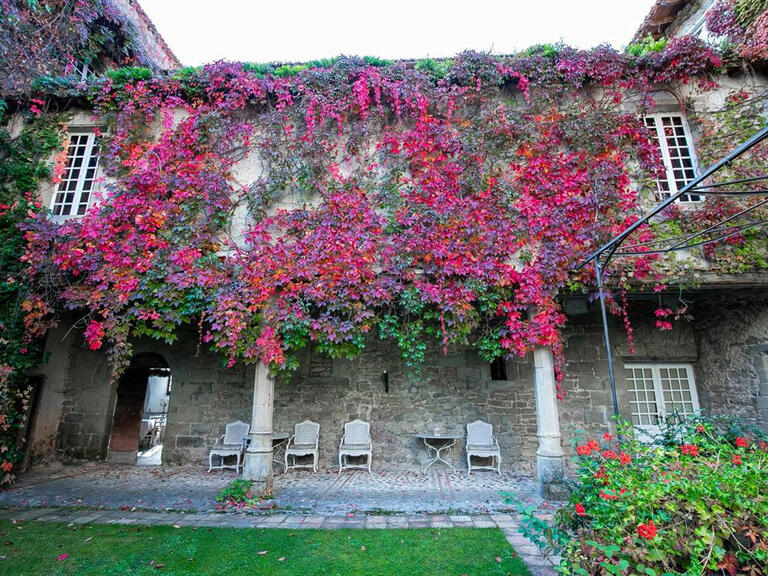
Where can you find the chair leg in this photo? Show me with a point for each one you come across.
(314, 462)
(369, 463)
(210, 462)
(341, 462)
(285, 468)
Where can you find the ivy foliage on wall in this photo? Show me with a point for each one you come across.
(54, 37)
(24, 164)
(418, 203)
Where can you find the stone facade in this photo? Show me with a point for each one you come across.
(733, 349)
(726, 342)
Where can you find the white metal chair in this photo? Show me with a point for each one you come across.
(356, 441)
(481, 443)
(304, 441)
(231, 444)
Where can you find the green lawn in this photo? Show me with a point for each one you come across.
(35, 548)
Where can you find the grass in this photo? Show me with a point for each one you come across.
(35, 548)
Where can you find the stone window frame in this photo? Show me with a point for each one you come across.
(658, 393)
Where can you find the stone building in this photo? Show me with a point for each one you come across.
(716, 362)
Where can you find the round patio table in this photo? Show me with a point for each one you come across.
(436, 443)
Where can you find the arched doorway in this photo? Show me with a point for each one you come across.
(141, 410)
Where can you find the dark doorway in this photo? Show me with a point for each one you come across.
(141, 411)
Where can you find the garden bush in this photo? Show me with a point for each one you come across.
(241, 495)
(693, 501)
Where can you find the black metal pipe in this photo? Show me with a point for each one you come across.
(606, 337)
(619, 238)
(732, 182)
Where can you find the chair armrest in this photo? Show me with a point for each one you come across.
(342, 440)
(218, 442)
(290, 440)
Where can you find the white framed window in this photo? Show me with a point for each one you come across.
(660, 392)
(73, 193)
(671, 135)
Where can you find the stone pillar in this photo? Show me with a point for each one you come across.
(550, 463)
(258, 457)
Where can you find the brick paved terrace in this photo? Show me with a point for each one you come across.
(100, 485)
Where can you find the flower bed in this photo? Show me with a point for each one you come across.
(693, 502)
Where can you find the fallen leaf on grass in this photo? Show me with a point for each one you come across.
(362, 548)
(61, 557)
(282, 558)
(89, 538)
(261, 552)
(176, 526)
(498, 559)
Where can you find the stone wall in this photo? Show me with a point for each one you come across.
(452, 391)
(726, 341)
(733, 344)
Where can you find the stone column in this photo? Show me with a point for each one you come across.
(550, 463)
(258, 457)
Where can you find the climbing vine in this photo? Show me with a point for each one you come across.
(24, 164)
(53, 38)
(743, 24)
(416, 203)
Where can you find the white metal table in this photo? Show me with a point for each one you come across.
(436, 444)
(279, 441)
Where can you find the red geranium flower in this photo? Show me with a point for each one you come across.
(579, 508)
(607, 437)
(607, 496)
(588, 448)
(610, 454)
(647, 531)
(625, 458)
(689, 449)
(736, 460)
(700, 428)
(742, 442)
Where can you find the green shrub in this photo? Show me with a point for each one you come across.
(437, 69)
(240, 494)
(696, 502)
(647, 44)
(129, 74)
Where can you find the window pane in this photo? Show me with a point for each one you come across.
(642, 396)
(72, 193)
(677, 392)
(667, 132)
